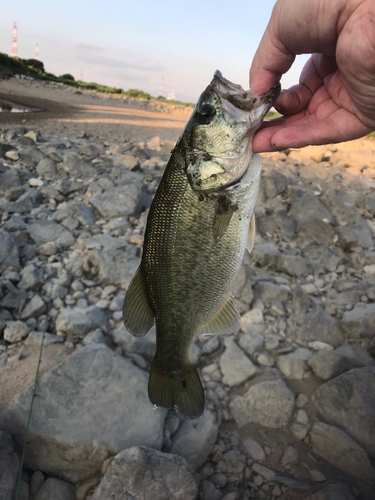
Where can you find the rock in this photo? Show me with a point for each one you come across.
(333, 492)
(209, 492)
(268, 291)
(342, 451)
(94, 337)
(327, 364)
(77, 322)
(129, 161)
(265, 254)
(9, 255)
(12, 155)
(294, 365)
(34, 308)
(37, 479)
(354, 355)
(55, 489)
(273, 182)
(294, 265)
(78, 211)
(32, 277)
(357, 234)
(99, 405)
(359, 322)
(114, 266)
(254, 449)
(268, 474)
(319, 325)
(9, 466)
(269, 403)
(32, 198)
(46, 168)
(235, 366)
(349, 401)
(290, 456)
(140, 472)
(76, 166)
(120, 201)
(194, 439)
(251, 342)
(15, 331)
(43, 231)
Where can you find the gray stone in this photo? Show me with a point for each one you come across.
(94, 337)
(80, 212)
(308, 208)
(269, 403)
(23, 493)
(34, 308)
(349, 401)
(251, 342)
(194, 439)
(46, 168)
(9, 466)
(294, 365)
(129, 161)
(235, 366)
(254, 449)
(9, 179)
(333, 492)
(268, 474)
(55, 489)
(9, 255)
(290, 456)
(15, 331)
(32, 277)
(265, 254)
(319, 325)
(354, 355)
(342, 451)
(119, 201)
(114, 266)
(327, 364)
(140, 472)
(31, 156)
(37, 479)
(209, 492)
(77, 322)
(43, 231)
(211, 345)
(294, 265)
(99, 405)
(77, 167)
(267, 291)
(357, 234)
(25, 203)
(273, 182)
(359, 322)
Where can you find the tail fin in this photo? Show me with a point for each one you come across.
(181, 390)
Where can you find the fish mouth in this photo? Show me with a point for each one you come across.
(243, 100)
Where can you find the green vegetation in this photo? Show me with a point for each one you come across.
(10, 66)
(272, 114)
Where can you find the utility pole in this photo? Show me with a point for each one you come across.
(14, 52)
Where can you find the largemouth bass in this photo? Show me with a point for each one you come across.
(196, 234)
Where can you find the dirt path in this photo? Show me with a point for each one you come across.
(109, 118)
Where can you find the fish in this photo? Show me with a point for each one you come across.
(199, 224)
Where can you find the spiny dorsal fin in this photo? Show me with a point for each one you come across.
(136, 313)
(251, 234)
(226, 320)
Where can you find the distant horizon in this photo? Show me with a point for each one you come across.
(136, 46)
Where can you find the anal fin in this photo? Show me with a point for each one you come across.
(136, 313)
(226, 320)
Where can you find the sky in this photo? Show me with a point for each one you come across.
(136, 44)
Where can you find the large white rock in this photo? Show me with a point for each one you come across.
(93, 404)
(235, 366)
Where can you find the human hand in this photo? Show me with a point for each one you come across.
(335, 98)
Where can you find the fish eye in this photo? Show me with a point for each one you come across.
(205, 114)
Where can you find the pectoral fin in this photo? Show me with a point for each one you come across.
(222, 217)
(136, 313)
(251, 234)
(225, 321)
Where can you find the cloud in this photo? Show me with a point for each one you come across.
(99, 60)
(89, 48)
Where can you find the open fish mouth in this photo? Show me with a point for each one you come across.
(219, 139)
